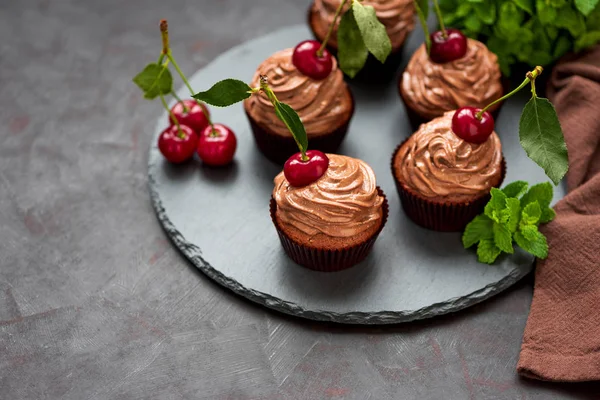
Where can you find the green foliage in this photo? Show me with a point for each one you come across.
(225, 93)
(513, 214)
(535, 32)
(154, 80)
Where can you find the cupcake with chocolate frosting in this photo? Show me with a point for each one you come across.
(398, 17)
(333, 222)
(325, 107)
(444, 181)
(429, 88)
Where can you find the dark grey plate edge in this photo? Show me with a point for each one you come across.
(194, 254)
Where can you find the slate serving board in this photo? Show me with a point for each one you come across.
(219, 218)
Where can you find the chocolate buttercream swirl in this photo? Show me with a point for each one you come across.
(430, 88)
(323, 105)
(398, 17)
(435, 162)
(342, 203)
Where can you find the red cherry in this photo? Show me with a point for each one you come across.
(446, 49)
(176, 146)
(301, 173)
(306, 59)
(217, 147)
(471, 129)
(194, 116)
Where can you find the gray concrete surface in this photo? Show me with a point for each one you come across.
(95, 303)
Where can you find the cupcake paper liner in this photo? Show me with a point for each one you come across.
(437, 216)
(279, 148)
(323, 259)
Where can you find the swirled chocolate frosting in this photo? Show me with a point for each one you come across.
(430, 89)
(398, 16)
(342, 203)
(323, 105)
(434, 162)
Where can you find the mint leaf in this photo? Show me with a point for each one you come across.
(225, 93)
(542, 138)
(496, 204)
(529, 232)
(478, 229)
(352, 52)
(548, 215)
(531, 214)
(571, 20)
(515, 189)
(563, 45)
(514, 213)
(422, 7)
(586, 6)
(546, 13)
(503, 238)
(542, 193)
(154, 80)
(291, 119)
(487, 251)
(586, 40)
(372, 31)
(526, 5)
(538, 246)
(486, 12)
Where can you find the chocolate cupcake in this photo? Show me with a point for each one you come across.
(324, 106)
(429, 89)
(332, 223)
(444, 181)
(398, 17)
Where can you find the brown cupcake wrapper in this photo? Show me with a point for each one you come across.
(417, 119)
(373, 72)
(323, 259)
(441, 217)
(279, 148)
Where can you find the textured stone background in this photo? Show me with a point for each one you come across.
(96, 304)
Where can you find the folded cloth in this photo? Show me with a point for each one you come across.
(562, 337)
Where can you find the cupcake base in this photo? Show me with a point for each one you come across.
(327, 260)
(440, 216)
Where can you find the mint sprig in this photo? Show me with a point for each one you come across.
(231, 91)
(513, 214)
(360, 32)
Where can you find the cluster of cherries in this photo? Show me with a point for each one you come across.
(215, 144)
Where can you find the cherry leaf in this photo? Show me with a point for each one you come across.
(352, 52)
(225, 93)
(293, 122)
(154, 80)
(373, 32)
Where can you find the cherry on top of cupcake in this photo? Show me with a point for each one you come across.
(300, 169)
(444, 45)
(359, 33)
(540, 132)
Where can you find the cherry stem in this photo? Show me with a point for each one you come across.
(331, 27)
(440, 19)
(185, 108)
(167, 52)
(264, 86)
(530, 77)
(172, 116)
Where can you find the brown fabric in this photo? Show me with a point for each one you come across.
(562, 336)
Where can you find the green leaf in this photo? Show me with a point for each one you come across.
(526, 5)
(486, 12)
(570, 19)
(496, 204)
(515, 189)
(479, 228)
(503, 238)
(422, 7)
(154, 80)
(373, 32)
(531, 214)
(352, 52)
(542, 193)
(487, 251)
(587, 40)
(514, 213)
(291, 119)
(472, 23)
(546, 13)
(548, 215)
(542, 138)
(586, 6)
(562, 46)
(538, 246)
(225, 93)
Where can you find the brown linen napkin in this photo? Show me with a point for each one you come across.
(562, 337)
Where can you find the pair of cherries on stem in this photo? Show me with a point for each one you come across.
(214, 144)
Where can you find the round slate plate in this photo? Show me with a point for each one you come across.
(219, 218)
